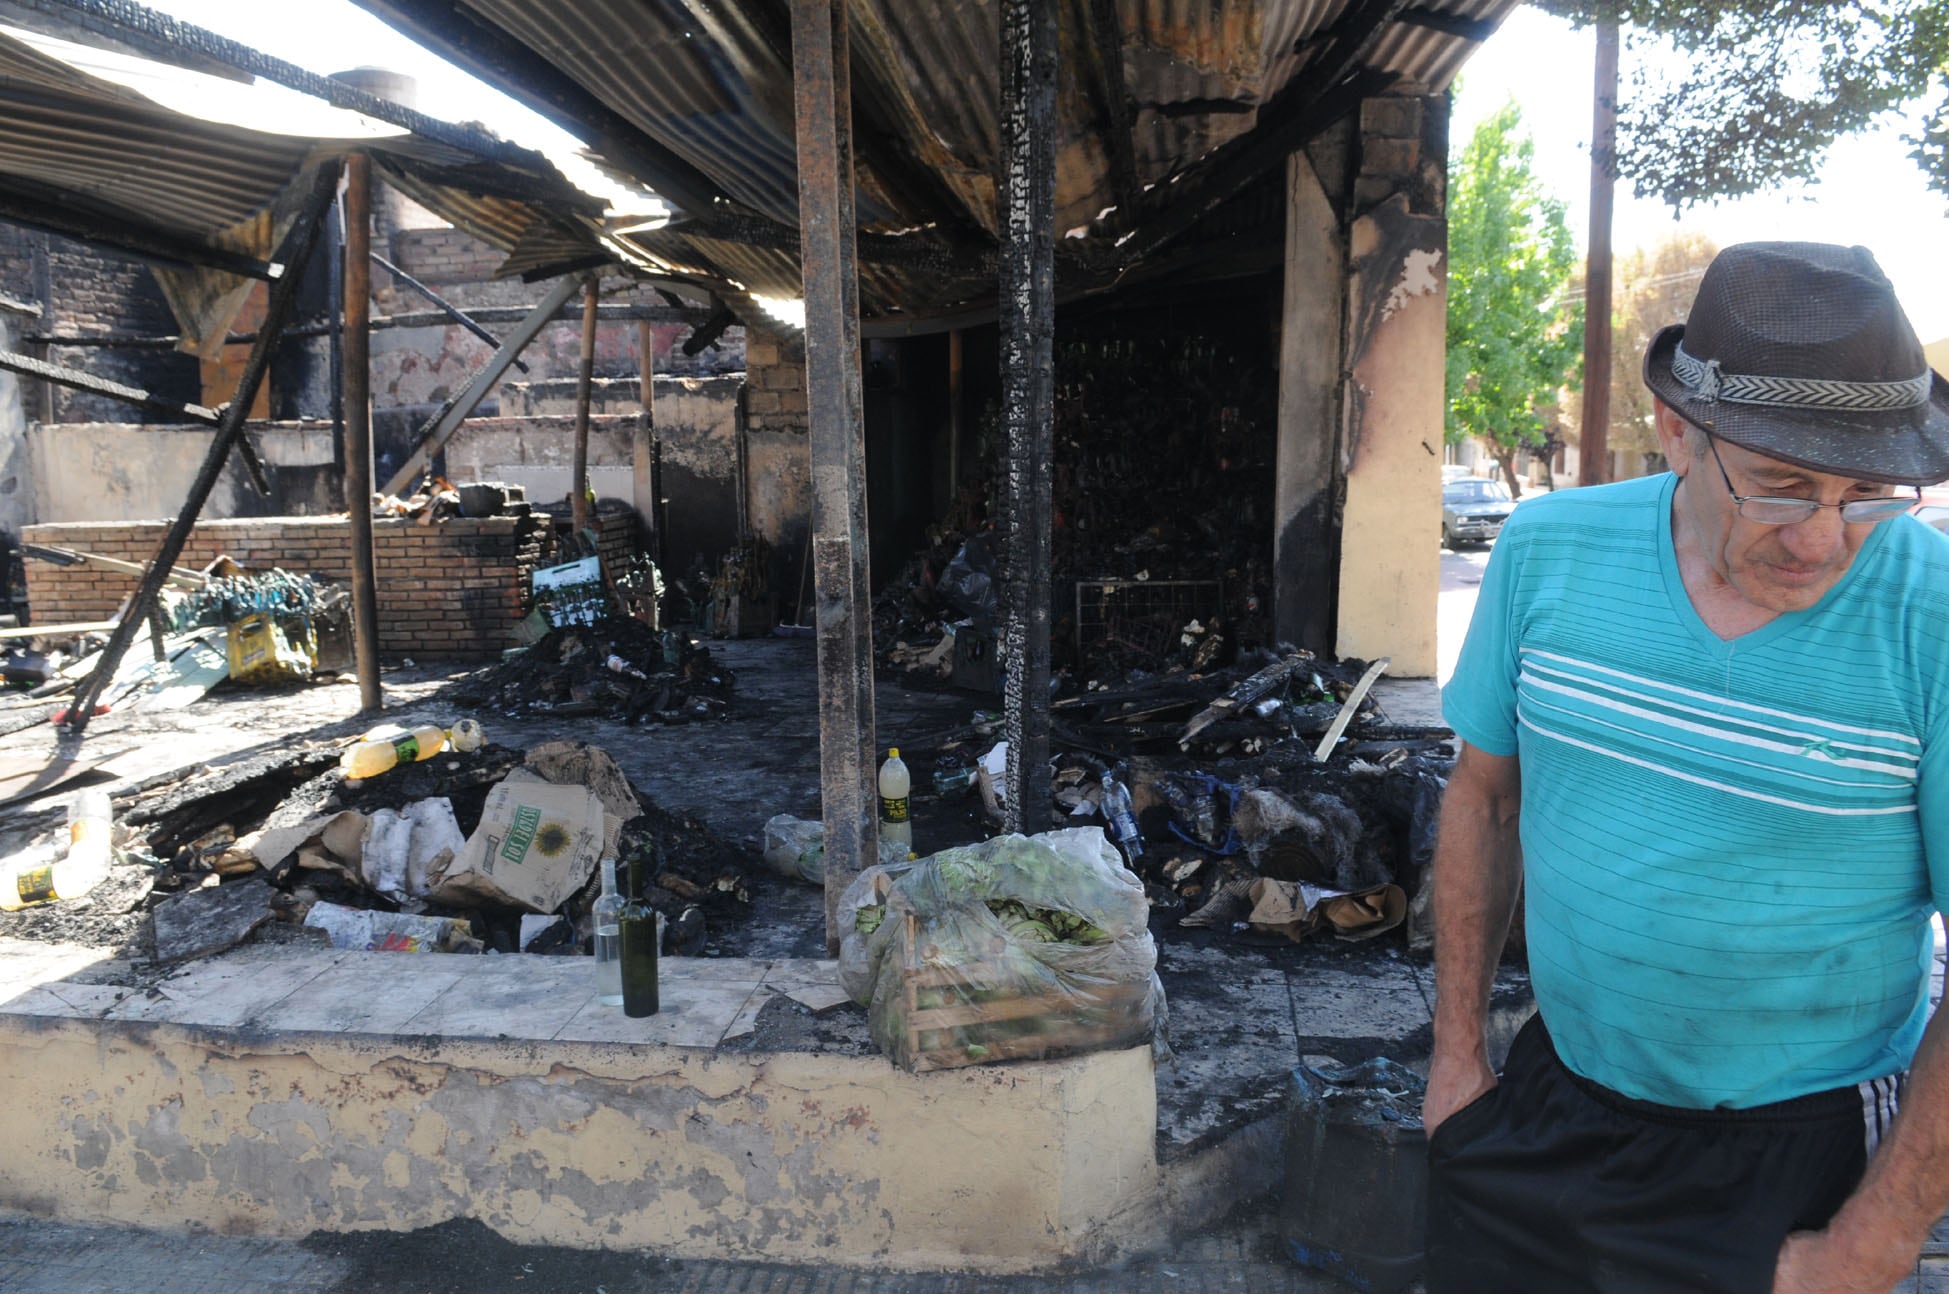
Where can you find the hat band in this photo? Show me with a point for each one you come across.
(1707, 382)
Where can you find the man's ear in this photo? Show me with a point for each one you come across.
(1674, 437)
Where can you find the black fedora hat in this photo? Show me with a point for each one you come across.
(1799, 351)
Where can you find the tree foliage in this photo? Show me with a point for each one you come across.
(1512, 341)
(1652, 289)
(1765, 86)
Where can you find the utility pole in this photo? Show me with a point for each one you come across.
(1593, 451)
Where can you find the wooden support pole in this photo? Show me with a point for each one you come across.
(1593, 450)
(357, 374)
(1028, 300)
(585, 377)
(957, 414)
(643, 471)
(284, 292)
(848, 801)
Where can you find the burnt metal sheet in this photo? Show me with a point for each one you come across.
(710, 82)
(73, 142)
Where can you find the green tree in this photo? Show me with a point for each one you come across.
(1761, 88)
(1512, 341)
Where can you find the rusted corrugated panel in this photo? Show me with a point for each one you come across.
(694, 77)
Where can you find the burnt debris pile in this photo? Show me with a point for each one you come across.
(616, 668)
(492, 849)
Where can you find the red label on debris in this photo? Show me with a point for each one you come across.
(36, 886)
(893, 810)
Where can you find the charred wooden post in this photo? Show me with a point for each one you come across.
(357, 376)
(1028, 300)
(643, 482)
(585, 377)
(832, 379)
(284, 294)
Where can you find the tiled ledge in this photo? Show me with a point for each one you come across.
(704, 1002)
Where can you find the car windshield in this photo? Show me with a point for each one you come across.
(1475, 492)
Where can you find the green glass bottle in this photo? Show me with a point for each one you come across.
(639, 946)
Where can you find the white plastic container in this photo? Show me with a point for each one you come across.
(896, 790)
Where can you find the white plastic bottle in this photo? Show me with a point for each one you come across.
(1120, 812)
(33, 880)
(896, 788)
(608, 917)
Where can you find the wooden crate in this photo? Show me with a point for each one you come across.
(1114, 1015)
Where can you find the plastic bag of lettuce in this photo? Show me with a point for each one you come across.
(1021, 947)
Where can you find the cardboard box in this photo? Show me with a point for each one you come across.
(537, 844)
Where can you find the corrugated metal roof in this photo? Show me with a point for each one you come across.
(90, 149)
(711, 82)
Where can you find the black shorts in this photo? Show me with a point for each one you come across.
(1552, 1184)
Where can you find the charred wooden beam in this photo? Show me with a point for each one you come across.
(823, 98)
(909, 251)
(1028, 301)
(710, 331)
(694, 316)
(295, 252)
(1284, 128)
(445, 307)
(75, 379)
(70, 216)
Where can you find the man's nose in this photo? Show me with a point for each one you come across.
(1817, 539)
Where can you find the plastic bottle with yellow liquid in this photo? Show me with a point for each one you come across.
(385, 748)
(32, 880)
(896, 788)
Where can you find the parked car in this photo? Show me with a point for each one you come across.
(1473, 510)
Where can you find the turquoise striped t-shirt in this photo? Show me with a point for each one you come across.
(1731, 848)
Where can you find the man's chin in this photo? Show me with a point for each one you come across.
(1784, 590)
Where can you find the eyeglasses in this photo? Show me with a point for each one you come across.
(1789, 512)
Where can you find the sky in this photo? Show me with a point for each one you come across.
(1868, 192)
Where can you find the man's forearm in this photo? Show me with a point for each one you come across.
(1906, 1188)
(1477, 869)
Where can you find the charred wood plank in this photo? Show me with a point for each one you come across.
(294, 254)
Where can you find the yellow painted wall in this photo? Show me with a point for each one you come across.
(1390, 565)
(696, 1153)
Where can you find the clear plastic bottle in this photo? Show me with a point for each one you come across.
(1121, 813)
(374, 754)
(896, 790)
(609, 939)
(38, 879)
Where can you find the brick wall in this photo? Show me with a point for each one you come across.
(84, 290)
(453, 589)
(775, 380)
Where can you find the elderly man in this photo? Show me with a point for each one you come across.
(1705, 719)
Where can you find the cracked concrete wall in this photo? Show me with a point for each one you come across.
(787, 1157)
